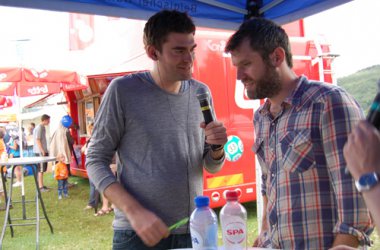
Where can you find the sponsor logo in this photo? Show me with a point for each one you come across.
(38, 90)
(216, 46)
(196, 239)
(234, 232)
(3, 76)
(39, 74)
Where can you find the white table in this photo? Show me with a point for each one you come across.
(13, 162)
(222, 248)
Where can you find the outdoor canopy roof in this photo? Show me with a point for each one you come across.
(225, 14)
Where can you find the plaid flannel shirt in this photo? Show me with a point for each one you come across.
(310, 198)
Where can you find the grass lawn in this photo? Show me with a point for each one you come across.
(75, 228)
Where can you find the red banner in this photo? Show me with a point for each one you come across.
(81, 31)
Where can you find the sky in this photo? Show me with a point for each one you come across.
(353, 30)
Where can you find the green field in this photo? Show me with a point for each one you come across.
(75, 228)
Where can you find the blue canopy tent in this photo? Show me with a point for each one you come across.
(225, 14)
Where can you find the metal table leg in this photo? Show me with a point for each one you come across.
(7, 218)
(40, 199)
(38, 222)
(4, 180)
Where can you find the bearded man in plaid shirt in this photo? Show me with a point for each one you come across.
(309, 200)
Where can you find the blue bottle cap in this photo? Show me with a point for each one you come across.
(202, 201)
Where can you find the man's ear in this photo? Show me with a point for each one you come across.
(277, 56)
(152, 53)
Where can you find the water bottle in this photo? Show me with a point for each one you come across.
(204, 225)
(233, 220)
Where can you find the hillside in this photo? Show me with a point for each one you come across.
(362, 85)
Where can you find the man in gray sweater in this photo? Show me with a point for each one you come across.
(154, 123)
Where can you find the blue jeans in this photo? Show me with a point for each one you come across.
(128, 240)
(62, 187)
(91, 200)
(30, 151)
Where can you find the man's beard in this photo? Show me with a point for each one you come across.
(268, 86)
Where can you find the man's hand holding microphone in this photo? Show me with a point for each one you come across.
(215, 132)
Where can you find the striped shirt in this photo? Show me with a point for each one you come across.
(300, 150)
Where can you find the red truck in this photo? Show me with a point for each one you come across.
(213, 67)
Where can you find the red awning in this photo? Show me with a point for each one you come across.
(29, 82)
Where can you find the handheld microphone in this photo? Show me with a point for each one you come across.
(373, 116)
(203, 98)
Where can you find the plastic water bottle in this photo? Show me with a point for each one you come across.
(204, 225)
(233, 220)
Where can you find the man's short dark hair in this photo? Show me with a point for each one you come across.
(164, 22)
(45, 117)
(264, 37)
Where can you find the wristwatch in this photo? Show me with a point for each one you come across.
(367, 181)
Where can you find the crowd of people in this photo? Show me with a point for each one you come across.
(36, 142)
(33, 144)
(307, 134)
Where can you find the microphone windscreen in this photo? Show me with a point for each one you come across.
(202, 94)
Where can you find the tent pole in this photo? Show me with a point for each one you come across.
(224, 6)
(20, 134)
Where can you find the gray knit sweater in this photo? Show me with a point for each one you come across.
(159, 144)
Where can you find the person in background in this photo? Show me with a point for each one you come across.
(24, 142)
(30, 139)
(106, 209)
(300, 130)
(6, 138)
(61, 174)
(14, 152)
(92, 198)
(106, 205)
(2, 150)
(2, 144)
(72, 130)
(363, 161)
(162, 144)
(61, 142)
(41, 149)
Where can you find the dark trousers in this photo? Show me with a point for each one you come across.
(128, 240)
